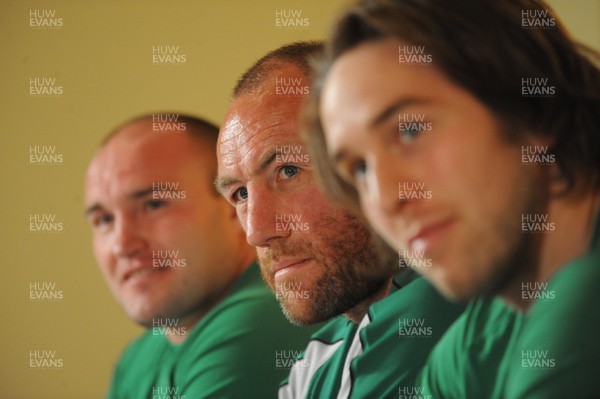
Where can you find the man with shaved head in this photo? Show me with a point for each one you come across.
(174, 256)
(320, 260)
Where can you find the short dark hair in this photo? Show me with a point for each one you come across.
(482, 46)
(298, 53)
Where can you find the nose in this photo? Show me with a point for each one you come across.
(262, 225)
(127, 239)
(383, 179)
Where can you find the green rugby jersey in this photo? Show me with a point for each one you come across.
(380, 357)
(472, 359)
(552, 352)
(231, 353)
(558, 352)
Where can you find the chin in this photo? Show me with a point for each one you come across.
(144, 316)
(455, 296)
(299, 315)
(141, 319)
(454, 291)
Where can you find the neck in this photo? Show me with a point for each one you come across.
(187, 323)
(574, 221)
(357, 313)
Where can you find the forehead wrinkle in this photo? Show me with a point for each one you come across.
(253, 119)
(256, 157)
(235, 150)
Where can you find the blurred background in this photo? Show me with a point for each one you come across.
(69, 73)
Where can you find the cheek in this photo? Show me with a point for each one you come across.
(313, 203)
(173, 227)
(480, 177)
(174, 234)
(102, 253)
(197, 235)
(241, 217)
(458, 173)
(380, 222)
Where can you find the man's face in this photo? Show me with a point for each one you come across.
(434, 175)
(316, 258)
(160, 233)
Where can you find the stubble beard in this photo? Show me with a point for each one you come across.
(350, 270)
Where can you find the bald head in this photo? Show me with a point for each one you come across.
(172, 123)
(266, 174)
(298, 54)
(149, 192)
(166, 135)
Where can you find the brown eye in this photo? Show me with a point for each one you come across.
(155, 204)
(102, 220)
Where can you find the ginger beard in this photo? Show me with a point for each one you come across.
(347, 270)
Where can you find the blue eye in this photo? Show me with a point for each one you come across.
(358, 170)
(408, 135)
(289, 171)
(240, 194)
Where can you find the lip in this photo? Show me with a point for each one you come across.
(135, 273)
(427, 235)
(286, 265)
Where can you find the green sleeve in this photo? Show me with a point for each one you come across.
(442, 373)
(472, 359)
(234, 356)
(135, 373)
(394, 353)
(558, 355)
(115, 383)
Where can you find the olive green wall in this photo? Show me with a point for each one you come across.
(101, 58)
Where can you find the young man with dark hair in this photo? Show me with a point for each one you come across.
(492, 110)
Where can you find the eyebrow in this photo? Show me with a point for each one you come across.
(135, 195)
(222, 183)
(395, 107)
(338, 157)
(141, 193)
(92, 209)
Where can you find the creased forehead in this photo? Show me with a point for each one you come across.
(257, 121)
(252, 122)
